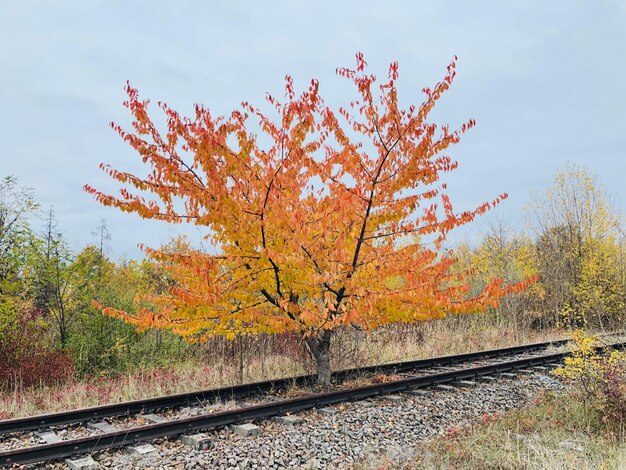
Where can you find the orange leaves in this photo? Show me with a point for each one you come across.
(320, 218)
(520, 286)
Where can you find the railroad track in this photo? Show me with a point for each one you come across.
(415, 374)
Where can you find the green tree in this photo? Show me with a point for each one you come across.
(17, 247)
(64, 280)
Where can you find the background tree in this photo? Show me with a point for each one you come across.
(18, 248)
(510, 255)
(321, 220)
(17, 206)
(600, 295)
(579, 257)
(27, 355)
(64, 280)
(103, 345)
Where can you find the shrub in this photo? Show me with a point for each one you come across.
(600, 378)
(26, 360)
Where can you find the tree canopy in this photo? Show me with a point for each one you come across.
(318, 218)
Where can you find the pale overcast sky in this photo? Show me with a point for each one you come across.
(545, 81)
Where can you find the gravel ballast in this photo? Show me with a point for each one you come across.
(359, 432)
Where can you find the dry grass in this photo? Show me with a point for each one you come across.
(186, 377)
(450, 336)
(558, 432)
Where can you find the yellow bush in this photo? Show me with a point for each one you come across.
(601, 376)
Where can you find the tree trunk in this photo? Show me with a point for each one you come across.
(63, 335)
(241, 363)
(319, 347)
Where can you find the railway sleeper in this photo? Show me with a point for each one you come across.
(83, 463)
(199, 441)
(101, 426)
(464, 384)
(245, 429)
(48, 436)
(142, 450)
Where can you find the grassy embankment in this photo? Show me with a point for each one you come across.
(559, 431)
(445, 337)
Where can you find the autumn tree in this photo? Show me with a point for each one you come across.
(319, 219)
(579, 259)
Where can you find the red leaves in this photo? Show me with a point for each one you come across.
(360, 62)
(468, 125)
(25, 357)
(289, 93)
(393, 71)
(451, 71)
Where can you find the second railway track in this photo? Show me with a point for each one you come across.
(415, 374)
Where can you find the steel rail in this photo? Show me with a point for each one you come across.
(31, 423)
(173, 428)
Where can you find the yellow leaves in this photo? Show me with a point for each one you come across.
(587, 368)
(576, 201)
